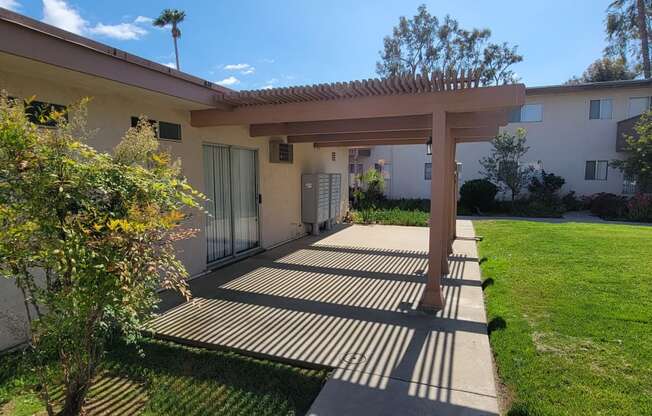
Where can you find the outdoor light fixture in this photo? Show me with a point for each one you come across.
(429, 146)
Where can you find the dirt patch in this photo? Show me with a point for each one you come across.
(504, 394)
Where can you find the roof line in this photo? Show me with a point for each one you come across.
(555, 89)
(72, 38)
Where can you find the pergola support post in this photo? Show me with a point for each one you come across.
(432, 299)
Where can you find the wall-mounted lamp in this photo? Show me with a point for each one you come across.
(429, 146)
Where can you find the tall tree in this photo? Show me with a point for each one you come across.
(172, 17)
(425, 44)
(628, 31)
(605, 69)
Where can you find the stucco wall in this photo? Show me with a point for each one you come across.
(563, 142)
(110, 112)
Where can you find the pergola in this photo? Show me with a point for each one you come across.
(449, 109)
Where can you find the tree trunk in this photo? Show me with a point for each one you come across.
(643, 34)
(75, 396)
(176, 52)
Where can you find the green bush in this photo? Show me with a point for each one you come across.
(608, 206)
(572, 202)
(371, 193)
(391, 217)
(405, 204)
(478, 195)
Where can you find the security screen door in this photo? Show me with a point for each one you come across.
(232, 190)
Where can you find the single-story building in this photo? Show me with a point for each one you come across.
(247, 150)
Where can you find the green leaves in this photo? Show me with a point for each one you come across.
(97, 229)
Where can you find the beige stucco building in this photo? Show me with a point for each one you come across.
(248, 151)
(275, 187)
(571, 131)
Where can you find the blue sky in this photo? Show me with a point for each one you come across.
(249, 44)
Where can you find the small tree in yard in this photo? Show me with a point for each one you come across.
(88, 238)
(638, 163)
(503, 165)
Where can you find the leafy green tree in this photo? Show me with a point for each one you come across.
(88, 238)
(638, 163)
(172, 17)
(424, 44)
(605, 69)
(504, 166)
(628, 31)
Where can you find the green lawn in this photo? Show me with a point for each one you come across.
(570, 315)
(176, 380)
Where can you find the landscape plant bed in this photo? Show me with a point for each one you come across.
(569, 315)
(173, 380)
(393, 216)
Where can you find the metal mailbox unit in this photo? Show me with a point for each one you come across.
(320, 199)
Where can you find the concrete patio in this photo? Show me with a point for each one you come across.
(348, 301)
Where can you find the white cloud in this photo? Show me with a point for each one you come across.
(245, 69)
(10, 4)
(143, 19)
(170, 65)
(237, 67)
(58, 13)
(267, 87)
(267, 61)
(121, 31)
(229, 81)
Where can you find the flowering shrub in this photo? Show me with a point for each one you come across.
(639, 208)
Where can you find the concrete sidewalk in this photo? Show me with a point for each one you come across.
(348, 302)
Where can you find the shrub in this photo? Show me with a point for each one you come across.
(608, 206)
(478, 195)
(639, 208)
(545, 186)
(572, 202)
(391, 217)
(539, 209)
(406, 204)
(87, 237)
(371, 192)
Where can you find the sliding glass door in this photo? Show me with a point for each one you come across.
(232, 225)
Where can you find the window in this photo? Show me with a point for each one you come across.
(629, 185)
(600, 109)
(169, 131)
(355, 168)
(529, 113)
(162, 129)
(427, 171)
(40, 113)
(639, 105)
(596, 170)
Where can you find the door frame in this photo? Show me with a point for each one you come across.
(259, 246)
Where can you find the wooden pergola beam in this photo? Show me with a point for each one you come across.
(471, 134)
(467, 100)
(348, 125)
(376, 135)
(367, 143)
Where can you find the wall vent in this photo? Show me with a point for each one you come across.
(280, 152)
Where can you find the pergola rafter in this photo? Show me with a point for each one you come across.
(449, 109)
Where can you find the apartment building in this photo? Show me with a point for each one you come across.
(573, 131)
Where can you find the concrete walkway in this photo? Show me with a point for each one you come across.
(348, 302)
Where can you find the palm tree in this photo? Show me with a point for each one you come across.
(628, 20)
(172, 17)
